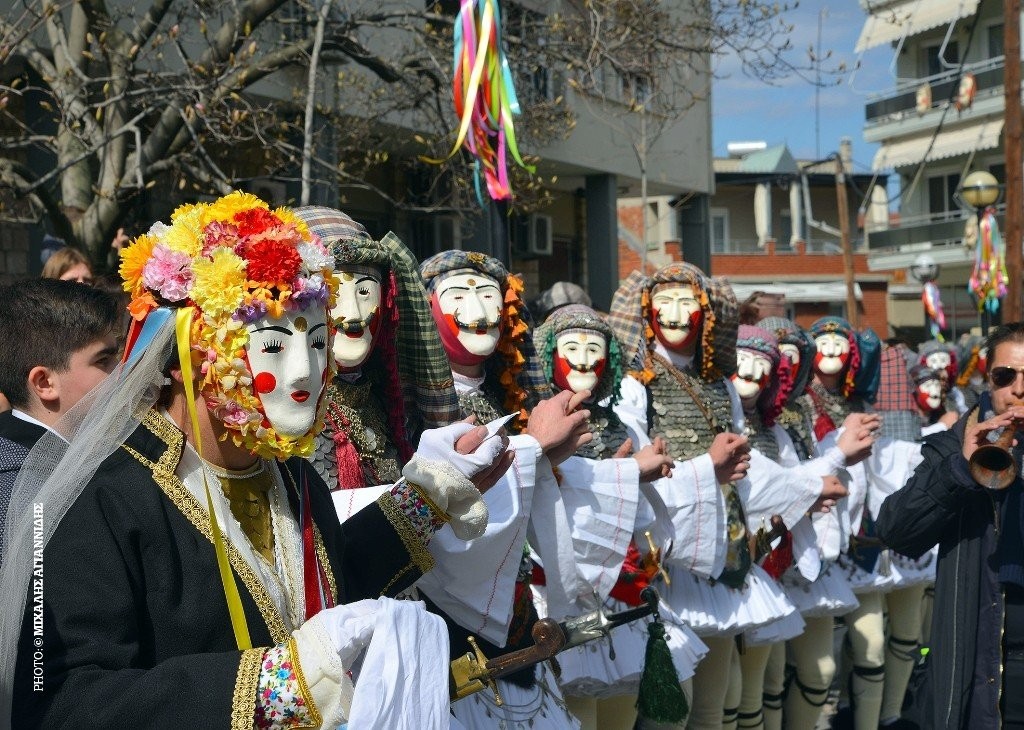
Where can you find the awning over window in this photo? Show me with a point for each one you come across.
(890, 21)
(796, 292)
(973, 137)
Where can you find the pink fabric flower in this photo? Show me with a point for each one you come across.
(220, 234)
(232, 414)
(168, 273)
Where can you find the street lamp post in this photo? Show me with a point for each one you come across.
(980, 189)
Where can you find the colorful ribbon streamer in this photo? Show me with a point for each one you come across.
(485, 98)
(933, 309)
(989, 279)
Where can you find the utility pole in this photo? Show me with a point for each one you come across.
(842, 205)
(1012, 155)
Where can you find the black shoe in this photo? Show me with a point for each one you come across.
(843, 719)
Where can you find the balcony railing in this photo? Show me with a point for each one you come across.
(937, 228)
(895, 104)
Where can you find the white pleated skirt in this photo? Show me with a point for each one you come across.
(829, 595)
(714, 609)
(782, 630)
(590, 671)
(539, 708)
(862, 581)
(908, 572)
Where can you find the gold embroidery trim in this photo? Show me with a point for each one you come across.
(395, 579)
(314, 714)
(321, 554)
(171, 485)
(410, 538)
(438, 512)
(243, 701)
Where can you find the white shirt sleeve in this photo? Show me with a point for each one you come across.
(474, 581)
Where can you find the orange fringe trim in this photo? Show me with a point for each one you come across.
(513, 330)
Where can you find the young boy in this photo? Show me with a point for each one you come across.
(59, 341)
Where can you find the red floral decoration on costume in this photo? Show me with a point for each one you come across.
(852, 367)
(272, 261)
(784, 378)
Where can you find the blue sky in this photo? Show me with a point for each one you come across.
(748, 109)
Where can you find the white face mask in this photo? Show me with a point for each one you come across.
(356, 315)
(472, 303)
(833, 353)
(580, 360)
(751, 368)
(288, 360)
(790, 351)
(674, 308)
(938, 361)
(932, 389)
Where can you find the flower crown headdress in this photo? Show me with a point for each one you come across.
(234, 261)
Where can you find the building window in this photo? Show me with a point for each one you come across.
(785, 230)
(720, 231)
(941, 189)
(932, 64)
(995, 40)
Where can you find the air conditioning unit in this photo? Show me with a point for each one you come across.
(447, 232)
(532, 236)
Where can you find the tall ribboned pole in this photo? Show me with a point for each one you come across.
(1012, 155)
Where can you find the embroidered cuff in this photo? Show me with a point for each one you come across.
(447, 490)
(282, 697)
(425, 516)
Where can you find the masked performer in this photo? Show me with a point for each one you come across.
(168, 499)
(904, 398)
(678, 331)
(600, 488)
(973, 359)
(393, 377)
(831, 397)
(484, 327)
(941, 357)
(764, 381)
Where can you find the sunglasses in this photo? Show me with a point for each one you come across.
(1004, 375)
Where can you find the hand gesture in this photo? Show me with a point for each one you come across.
(559, 426)
(730, 453)
(832, 490)
(977, 435)
(858, 436)
(653, 460)
(488, 476)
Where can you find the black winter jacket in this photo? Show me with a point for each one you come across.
(941, 505)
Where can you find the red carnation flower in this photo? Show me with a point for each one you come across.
(272, 261)
(255, 220)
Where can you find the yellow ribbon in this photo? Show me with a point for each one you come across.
(182, 328)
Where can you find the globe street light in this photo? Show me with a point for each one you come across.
(980, 189)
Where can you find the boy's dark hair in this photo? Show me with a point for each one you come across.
(1012, 332)
(43, 322)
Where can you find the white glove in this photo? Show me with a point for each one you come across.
(328, 644)
(350, 627)
(438, 444)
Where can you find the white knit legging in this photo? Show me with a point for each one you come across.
(711, 683)
(865, 633)
(901, 646)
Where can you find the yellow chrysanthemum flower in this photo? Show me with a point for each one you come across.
(223, 209)
(186, 234)
(133, 259)
(220, 282)
(287, 216)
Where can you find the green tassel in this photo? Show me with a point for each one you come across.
(660, 700)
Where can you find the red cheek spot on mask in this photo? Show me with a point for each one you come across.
(264, 382)
(696, 319)
(818, 357)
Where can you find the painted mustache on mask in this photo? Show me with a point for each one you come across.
(669, 325)
(356, 326)
(477, 324)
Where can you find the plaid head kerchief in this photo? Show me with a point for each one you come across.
(425, 376)
(790, 334)
(895, 399)
(630, 309)
(531, 375)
